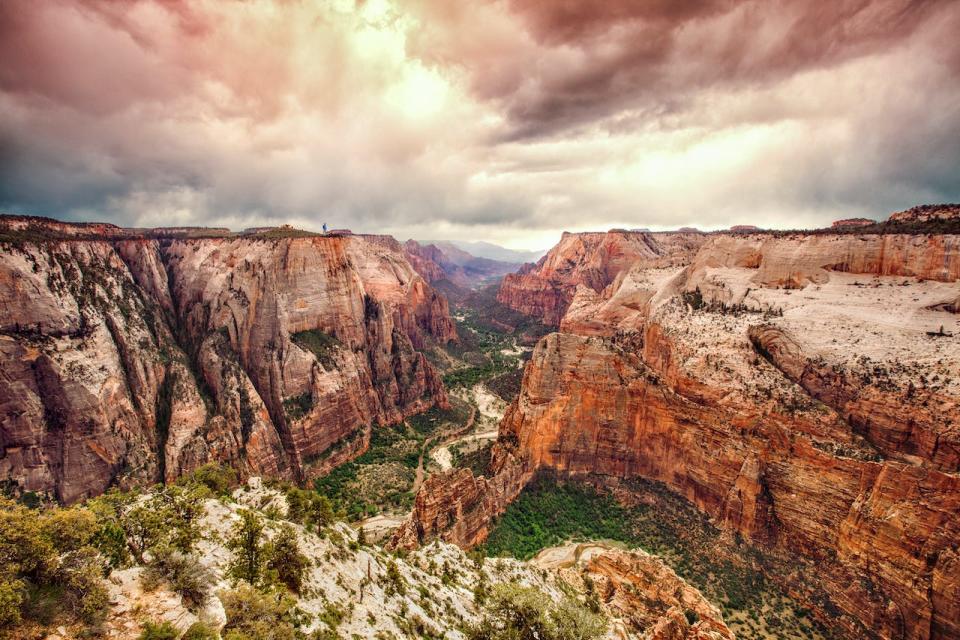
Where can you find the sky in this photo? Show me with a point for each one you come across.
(500, 120)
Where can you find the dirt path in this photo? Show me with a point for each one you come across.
(444, 437)
(491, 410)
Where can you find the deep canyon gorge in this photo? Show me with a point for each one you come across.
(798, 389)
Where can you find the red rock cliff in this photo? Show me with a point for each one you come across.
(819, 424)
(546, 289)
(135, 360)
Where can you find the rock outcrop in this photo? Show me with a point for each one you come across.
(546, 289)
(793, 388)
(928, 213)
(131, 360)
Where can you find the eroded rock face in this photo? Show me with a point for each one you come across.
(593, 260)
(642, 589)
(927, 213)
(459, 507)
(136, 360)
(798, 390)
(797, 260)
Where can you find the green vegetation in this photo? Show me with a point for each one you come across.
(382, 477)
(277, 563)
(524, 613)
(297, 407)
(285, 562)
(200, 631)
(183, 572)
(258, 615)
(486, 329)
(548, 513)
(322, 345)
(159, 631)
(308, 508)
(247, 547)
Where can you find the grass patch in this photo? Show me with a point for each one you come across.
(548, 513)
(323, 345)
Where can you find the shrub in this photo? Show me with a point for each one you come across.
(218, 479)
(171, 516)
(69, 529)
(200, 631)
(11, 597)
(184, 573)
(395, 582)
(159, 631)
(260, 616)
(84, 592)
(285, 560)
(248, 553)
(522, 613)
(38, 581)
(309, 507)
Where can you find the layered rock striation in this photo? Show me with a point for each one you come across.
(131, 360)
(801, 390)
(594, 260)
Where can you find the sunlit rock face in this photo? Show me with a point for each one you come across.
(801, 390)
(131, 360)
(593, 260)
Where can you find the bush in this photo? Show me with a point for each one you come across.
(260, 616)
(309, 507)
(521, 613)
(37, 580)
(11, 597)
(85, 595)
(183, 572)
(218, 479)
(248, 553)
(285, 560)
(200, 631)
(159, 631)
(171, 516)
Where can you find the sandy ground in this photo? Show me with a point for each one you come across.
(572, 553)
(491, 409)
(380, 526)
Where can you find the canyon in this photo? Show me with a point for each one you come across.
(134, 356)
(800, 389)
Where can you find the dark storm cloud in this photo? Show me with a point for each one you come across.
(497, 119)
(641, 55)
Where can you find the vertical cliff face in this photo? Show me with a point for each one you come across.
(593, 260)
(133, 360)
(798, 390)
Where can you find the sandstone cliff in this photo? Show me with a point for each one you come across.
(130, 360)
(796, 389)
(594, 260)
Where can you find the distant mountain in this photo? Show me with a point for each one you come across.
(492, 251)
(444, 262)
